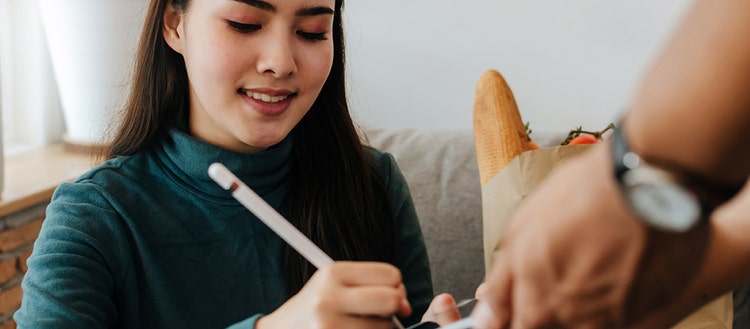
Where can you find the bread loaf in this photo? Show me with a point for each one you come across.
(499, 132)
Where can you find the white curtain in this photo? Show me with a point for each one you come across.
(31, 105)
(2, 103)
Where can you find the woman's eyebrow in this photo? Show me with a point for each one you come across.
(312, 11)
(260, 4)
(315, 11)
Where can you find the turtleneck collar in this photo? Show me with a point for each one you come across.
(188, 159)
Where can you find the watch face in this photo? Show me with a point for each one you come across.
(661, 202)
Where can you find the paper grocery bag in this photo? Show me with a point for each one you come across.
(719, 314)
(505, 191)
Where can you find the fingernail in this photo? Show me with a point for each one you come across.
(406, 306)
(482, 316)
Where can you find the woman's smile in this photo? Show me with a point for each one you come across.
(267, 102)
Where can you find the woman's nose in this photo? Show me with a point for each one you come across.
(277, 57)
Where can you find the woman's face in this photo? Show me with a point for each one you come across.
(255, 67)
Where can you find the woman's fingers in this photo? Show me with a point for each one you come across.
(442, 310)
(404, 309)
(364, 273)
(371, 301)
(355, 322)
(344, 295)
(365, 289)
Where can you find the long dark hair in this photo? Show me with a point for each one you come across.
(339, 198)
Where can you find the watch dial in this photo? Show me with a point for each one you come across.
(665, 206)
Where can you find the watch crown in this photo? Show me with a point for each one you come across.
(631, 160)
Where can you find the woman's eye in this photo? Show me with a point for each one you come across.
(244, 28)
(312, 36)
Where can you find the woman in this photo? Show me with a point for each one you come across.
(147, 240)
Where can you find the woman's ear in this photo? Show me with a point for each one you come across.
(173, 27)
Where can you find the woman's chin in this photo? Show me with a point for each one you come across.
(260, 144)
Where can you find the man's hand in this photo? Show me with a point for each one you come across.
(574, 256)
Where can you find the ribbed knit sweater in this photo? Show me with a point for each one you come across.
(150, 241)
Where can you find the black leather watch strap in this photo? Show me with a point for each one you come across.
(709, 194)
(620, 151)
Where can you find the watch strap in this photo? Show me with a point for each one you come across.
(710, 195)
(621, 155)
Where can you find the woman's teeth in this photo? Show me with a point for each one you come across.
(267, 98)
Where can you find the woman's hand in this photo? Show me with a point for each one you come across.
(442, 310)
(344, 295)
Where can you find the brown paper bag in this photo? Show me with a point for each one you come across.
(505, 191)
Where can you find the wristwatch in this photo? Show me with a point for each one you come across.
(660, 198)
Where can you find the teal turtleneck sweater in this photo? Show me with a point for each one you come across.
(150, 241)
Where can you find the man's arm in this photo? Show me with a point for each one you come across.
(584, 259)
(695, 100)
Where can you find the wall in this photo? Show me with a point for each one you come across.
(415, 63)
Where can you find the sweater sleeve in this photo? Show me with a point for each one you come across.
(248, 323)
(70, 279)
(411, 257)
(79, 262)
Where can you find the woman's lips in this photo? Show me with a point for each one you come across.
(267, 98)
(268, 102)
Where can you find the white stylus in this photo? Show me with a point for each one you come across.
(277, 223)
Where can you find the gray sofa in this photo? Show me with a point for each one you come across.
(440, 167)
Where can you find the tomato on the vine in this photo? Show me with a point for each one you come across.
(584, 139)
(579, 136)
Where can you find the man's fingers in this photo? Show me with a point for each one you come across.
(529, 304)
(494, 310)
(481, 291)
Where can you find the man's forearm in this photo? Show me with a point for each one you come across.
(695, 100)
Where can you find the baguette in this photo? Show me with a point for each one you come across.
(499, 132)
